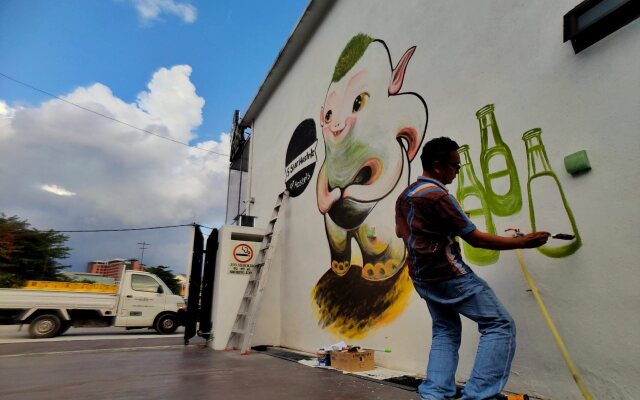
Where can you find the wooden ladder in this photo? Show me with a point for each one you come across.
(245, 323)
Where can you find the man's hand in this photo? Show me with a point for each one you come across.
(535, 239)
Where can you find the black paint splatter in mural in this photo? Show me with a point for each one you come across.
(351, 306)
(301, 157)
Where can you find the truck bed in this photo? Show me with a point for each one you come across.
(27, 299)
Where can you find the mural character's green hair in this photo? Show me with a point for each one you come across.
(352, 52)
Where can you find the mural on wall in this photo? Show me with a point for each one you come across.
(501, 193)
(497, 162)
(542, 181)
(473, 199)
(372, 131)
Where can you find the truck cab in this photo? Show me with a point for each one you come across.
(146, 301)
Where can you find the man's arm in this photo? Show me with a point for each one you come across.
(484, 240)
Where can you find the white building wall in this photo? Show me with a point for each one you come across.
(468, 55)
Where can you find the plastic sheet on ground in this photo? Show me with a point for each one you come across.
(379, 373)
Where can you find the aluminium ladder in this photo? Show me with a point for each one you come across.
(245, 323)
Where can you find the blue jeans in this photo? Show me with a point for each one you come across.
(471, 296)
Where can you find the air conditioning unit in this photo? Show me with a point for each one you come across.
(247, 220)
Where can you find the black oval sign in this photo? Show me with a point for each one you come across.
(301, 158)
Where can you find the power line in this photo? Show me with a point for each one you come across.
(121, 230)
(108, 117)
(126, 229)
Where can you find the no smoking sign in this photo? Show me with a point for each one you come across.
(243, 253)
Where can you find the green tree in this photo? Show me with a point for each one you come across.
(167, 277)
(29, 254)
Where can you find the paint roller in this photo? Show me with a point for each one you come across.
(357, 348)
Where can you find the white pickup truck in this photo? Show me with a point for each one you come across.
(141, 300)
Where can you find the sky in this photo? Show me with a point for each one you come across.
(175, 68)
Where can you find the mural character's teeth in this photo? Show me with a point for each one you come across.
(340, 267)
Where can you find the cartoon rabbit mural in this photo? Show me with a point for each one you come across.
(372, 131)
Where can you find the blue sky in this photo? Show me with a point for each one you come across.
(175, 67)
(60, 45)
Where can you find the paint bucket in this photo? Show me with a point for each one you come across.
(324, 359)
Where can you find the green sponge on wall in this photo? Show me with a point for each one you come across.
(577, 162)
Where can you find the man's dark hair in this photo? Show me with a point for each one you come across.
(438, 149)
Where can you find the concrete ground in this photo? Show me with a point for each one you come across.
(160, 367)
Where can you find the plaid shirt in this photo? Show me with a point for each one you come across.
(428, 219)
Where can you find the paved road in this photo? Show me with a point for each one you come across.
(118, 364)
(13, 334)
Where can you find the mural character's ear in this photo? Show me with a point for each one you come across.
(397, 76)
(412, 139)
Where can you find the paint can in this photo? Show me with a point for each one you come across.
(324, 358)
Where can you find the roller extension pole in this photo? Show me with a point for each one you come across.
(563, 349)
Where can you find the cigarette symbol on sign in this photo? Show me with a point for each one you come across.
(243, 253)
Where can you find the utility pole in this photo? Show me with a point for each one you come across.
(142, 247)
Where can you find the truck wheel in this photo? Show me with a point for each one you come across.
(166, 324)
(45, 326)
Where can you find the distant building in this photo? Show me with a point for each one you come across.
(113, 268)
(87, 276)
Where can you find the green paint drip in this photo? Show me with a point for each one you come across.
(539, 168)
(352, 52)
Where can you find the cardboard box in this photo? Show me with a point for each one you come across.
(362, 360)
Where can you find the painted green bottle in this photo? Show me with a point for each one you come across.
(544, 182)
(497, 163)
(472, 198)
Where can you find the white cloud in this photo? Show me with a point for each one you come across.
(171, 90)
(150, 10)
(5, 110)
(6, 114)
(57, 190)
(123, 177)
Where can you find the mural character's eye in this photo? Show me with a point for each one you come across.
(360, 101)
(327, 117)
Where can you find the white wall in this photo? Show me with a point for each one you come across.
(230, 281)
(469, 54)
